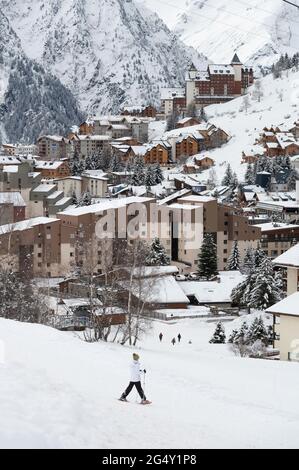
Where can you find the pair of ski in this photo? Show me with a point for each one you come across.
(143, 403)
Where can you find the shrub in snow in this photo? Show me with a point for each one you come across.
(219, 335)
(251, 341)
(257, 349)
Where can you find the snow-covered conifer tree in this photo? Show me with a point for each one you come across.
(228, 176)
(157, 255)
(233, 263)
(207, 258)
(219, 335)
(266, 290)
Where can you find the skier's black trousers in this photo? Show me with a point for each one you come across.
(139, 389)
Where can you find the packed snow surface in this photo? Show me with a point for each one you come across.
(58, 391)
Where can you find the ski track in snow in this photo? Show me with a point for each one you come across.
(58, 391)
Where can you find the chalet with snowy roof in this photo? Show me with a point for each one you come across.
(187, 122)
(252, 153)
(159, 152)
(219, 83)
(52, 169)
(198, 164)
(86, 127)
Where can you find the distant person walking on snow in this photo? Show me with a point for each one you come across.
(135, 380)
(173, 341)
(161, 337)
(179, 337)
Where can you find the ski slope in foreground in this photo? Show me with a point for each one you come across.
(58, 391)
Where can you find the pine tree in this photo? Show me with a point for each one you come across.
(266, 290)
(233, 263)
(219, 335)
(241, 337)
(115, 163)
(228, 177)
(85, 200)
(203, 115)
(76, 165)
(248, 262)
(249, 176)
(233, 336)
(149, 177)
(240, 295)
(138, 170)
(259, 256)
(74, 199)
(157, 255)
(207, 258)
(258, 332)
(158, 174)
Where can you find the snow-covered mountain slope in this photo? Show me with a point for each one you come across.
(59, 392)
(279, 105)
(169, 12)
(259, 30)
(108, 52)
(31, 101)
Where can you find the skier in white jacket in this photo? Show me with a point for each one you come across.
(135, 380)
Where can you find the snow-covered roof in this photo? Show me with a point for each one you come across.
(105, 205)
(56, 138)
(212, 291)
(169, 93)
(139, 149)
(12, 198)
(163, 290)
(288, 306)
(5, 160)
(55, 194)
(25, 224)
(186, 119)
(197, 199)
(289, 257)
(45, 165)
(10, 169)
(63, 201)
(153, 271)
(172, 197)
(275, 226)
(44, 188)
(92, 138)
(221, 69)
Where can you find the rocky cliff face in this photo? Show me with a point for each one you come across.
(32, 101)
(107, 52)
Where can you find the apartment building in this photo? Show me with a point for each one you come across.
(54, 147)
(276, 238)
(32, 247)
